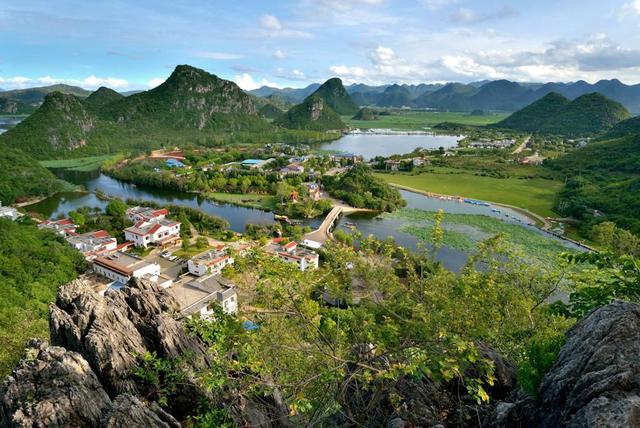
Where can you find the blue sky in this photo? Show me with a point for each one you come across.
(135, 45)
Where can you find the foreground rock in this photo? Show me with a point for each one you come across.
(54, 387)
(596, 379)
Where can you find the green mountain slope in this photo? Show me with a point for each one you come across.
(191, 105)
(270, 111)
(313, 114)
(629, 126)
(62, 124)
(535, 115)
(604, 175)
(365, 114)
(586, 115)
(8, 106)
(103, 96)
(22, 177)
(336, 97)
(36, 96)
(394, 96)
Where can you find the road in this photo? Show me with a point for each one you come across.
(323, 233)
(522, 146)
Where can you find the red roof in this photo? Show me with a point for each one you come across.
(101, 234)
(154, 229)
(290, 245)
(160, 212)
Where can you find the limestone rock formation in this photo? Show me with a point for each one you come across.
(596, 379)
(127, 411)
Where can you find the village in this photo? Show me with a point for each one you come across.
(197, 283)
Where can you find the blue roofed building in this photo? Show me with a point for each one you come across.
(174, 163)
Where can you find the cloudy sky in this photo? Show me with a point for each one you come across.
(136, 44)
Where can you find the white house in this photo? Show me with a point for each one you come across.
(291, 253)
(157, 232)
(210, 262)
(62, 227)
(197, 297)
(122, 267)
(93, 244)
(137, 214)
(9, 212)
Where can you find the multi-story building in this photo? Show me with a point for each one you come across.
(210, 262)
(197, 297)
(159, 232)
(93, 244)
(62, 227)
(9, 212)
(121, 267)
(291, 253)
(137, 214)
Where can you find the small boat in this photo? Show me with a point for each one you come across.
(282, 218)
(350, 225)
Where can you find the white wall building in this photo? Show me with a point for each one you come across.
(137, 214)
(122, 267)
(62, 227)
(197, 297)
(93, 244)
(210, 262)
(9, 212)
(153, 232)
(291, 253)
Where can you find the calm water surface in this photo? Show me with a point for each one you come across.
(370, 146)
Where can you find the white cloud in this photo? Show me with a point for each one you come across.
(465, 16)
(270, 22)
(278, 54)
(382, 55)
(218, 55)
(155, 82)
(246, 82)
(438, 4)
(294, 74)
(630, 8)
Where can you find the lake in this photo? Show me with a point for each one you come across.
(238, 217)
(7, 122)
(369, 146)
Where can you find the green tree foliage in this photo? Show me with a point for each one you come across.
(33, 263)
(116, 208)
(359, 188)
(312, 114)
(533, 117)
(22, 177)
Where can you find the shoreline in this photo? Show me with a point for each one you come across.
(532, 216)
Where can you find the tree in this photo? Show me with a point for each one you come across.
(116, 208)
(202, 242)
(603, 233)
(77, 218)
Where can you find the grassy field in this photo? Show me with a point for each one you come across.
(419, 120)
(266, 202)
(86, 164)
(465, 231)
(536, 195)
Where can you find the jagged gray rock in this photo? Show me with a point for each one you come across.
(53, 387)
(596, 378)
(127, 412)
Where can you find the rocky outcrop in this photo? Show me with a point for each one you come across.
(596, 379)
(52, 387)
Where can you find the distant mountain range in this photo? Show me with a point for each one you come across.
(496, 95)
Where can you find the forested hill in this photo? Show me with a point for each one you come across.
(23, 177)
(336, 97)
(587, 115)
(312, 114)
(191, 103)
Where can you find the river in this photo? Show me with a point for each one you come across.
(238, 217)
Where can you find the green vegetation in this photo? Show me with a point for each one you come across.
(336, 97)
(263, 202)
(22, 177)
(466, 231)
(365, 113)
(536, 194)
(603, 176)
(270, 111)
(625, 128)
(534, 116)
(35, 96)
(413, 120)
(586, 115)
(103, 96)
(33, 263)
(174, 113)
(14, 107)
(312, 114)
(92, 163)
(359, 187)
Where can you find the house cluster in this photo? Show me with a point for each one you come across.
(292, 169)
(400, 164)
(292, 252)
(9, 213)
(346, 158)
(210, 262)
(151, 228)
(120, 267)
(486, 143)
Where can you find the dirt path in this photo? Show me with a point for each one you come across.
(522, 146)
